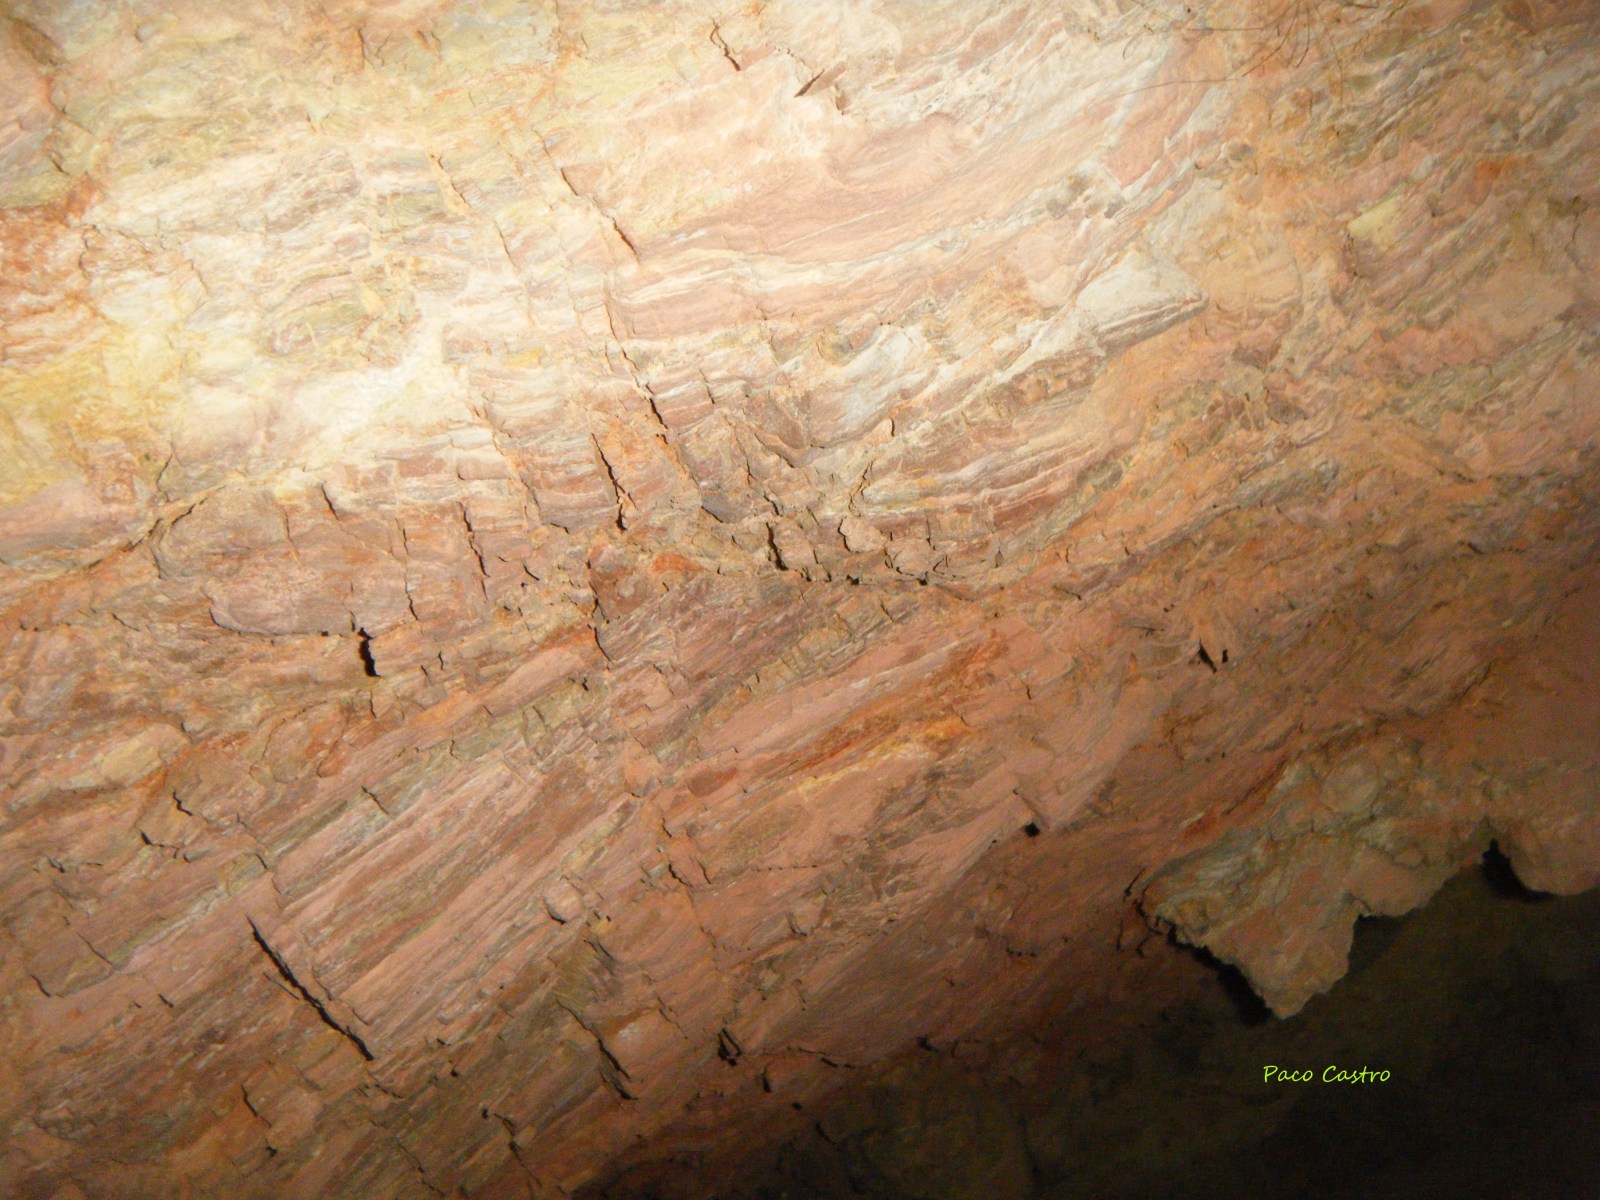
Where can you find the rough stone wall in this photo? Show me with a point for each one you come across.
(1373, 825)
(568, 570)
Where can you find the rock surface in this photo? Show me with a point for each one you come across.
(570, 571)
(1480, 1008)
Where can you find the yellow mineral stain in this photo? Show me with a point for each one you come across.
(118, 388)
(1378, 225)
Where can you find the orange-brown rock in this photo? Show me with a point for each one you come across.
(569, 571)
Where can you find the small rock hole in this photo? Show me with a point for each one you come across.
(1502, 879)
(364, 648)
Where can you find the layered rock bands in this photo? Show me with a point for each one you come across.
(569, 572)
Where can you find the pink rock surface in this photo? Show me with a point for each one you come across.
(567, 573)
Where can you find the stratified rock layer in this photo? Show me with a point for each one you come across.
(569, 570)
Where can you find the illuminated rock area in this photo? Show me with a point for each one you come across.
(574, 576)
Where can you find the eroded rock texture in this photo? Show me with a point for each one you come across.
(570, 570)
